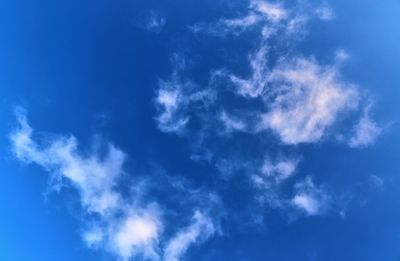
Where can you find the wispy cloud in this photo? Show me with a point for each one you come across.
(309, 198)
(309, 100)
(170, 102)
(267, 14)
(324, 12)
(137, 234)
(365, 132)
(231, 123)
(279, 91)
(281, 170)
(273, 17)
(269, 178)
(256, 84)
(274, 12)
(198, 231)
(155, 22)
(174, 99)
(127, 229)
(122, 225)
(93, 176)
(303, 97)
(376, 182)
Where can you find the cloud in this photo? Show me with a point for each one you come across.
(274, 19)
(235, 26)
(324, 12)
(274, 12)
(124, 226)
(310, 199)
(155, 22)
(256, 84)
(271, 174)
(307, 198)
(93, 237)
(280, 171)
(308, 100)
(269, 15)
(127, 229)
(297, 98)
(198, 231)
(376, 182)
(226, 27)
(137, 234)
(341, 56)
(269, 178)
(365, 132)
(232, 123)
(170, 104)
(95, 178)
(128, 226)
(175, 100)
(308, 203)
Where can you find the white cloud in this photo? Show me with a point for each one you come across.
(170, 103)
(308, 199)
(175, 100)
(312, 200)
(272, 11)
(232, 26)
(155, 22)
(306, 202)
(308, 100)
(341, 56)
(200, 230)
(376, 182)
(95, 178)
(232, 123)
(93, 237)
(324, 12)
(256, 84)
(365, 132)
(137, 234)
(238, 25)
(270, 15)
(268, 181)
(297, 98)
(92, 176)
(124, 226)
(274, 18)
(280, 171)
(24, 148)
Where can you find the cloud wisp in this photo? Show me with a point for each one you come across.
(292, 98)
(309, 99)
(310, 199)
(155, 22)
(175, 99)
(302, 98)
(200, 229)
(365, 132)
(305, 197)
(124, 226)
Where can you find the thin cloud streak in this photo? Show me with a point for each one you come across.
(125, 227)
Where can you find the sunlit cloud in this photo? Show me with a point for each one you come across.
(199, 230)
(310, 199)
(365, 132)
(124, 226)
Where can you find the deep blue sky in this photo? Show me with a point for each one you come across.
(92, 69)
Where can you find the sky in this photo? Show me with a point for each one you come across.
(199, 130)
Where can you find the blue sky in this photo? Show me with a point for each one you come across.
(199, 130)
